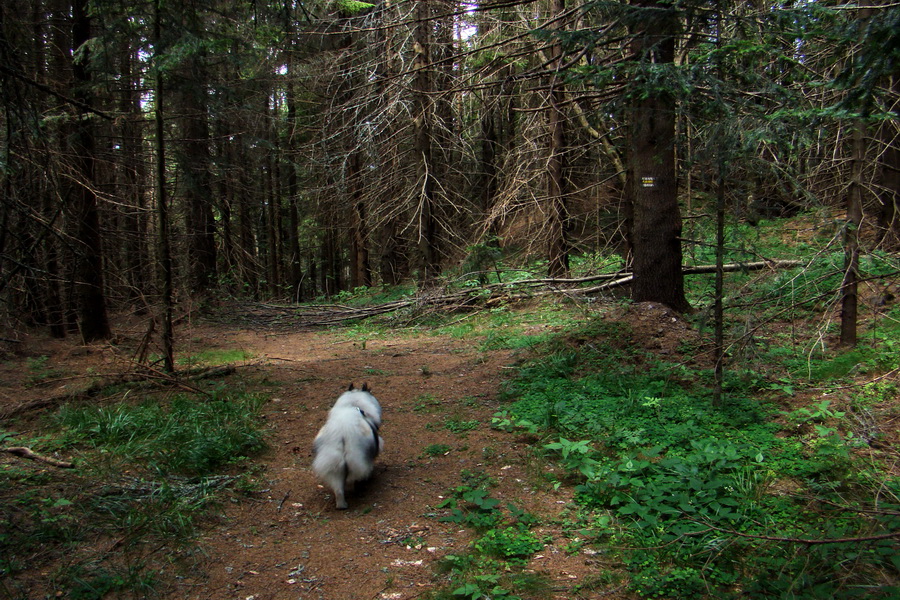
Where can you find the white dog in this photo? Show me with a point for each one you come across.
(346, 446)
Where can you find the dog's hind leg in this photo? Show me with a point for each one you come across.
(339, 485)
(339, 500)
(337, 481)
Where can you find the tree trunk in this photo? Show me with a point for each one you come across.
(488, 156)
(557, 211)
(193, 158)
(133, 182)
(888, 182)
(91, 300)
(249, 264)
(423, 119)
(718, 306)
(330, 259)
(850, 284)
(164, 253)
(656, 218)
(295, 271)
(389, 246)
(360, 271)
(273, 219)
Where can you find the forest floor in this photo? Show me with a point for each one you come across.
(286, 540)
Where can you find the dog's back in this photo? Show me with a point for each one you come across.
(346, 446)
(363, 400)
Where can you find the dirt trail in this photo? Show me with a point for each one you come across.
(290, 542)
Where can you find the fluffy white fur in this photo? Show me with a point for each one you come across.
(346, 446)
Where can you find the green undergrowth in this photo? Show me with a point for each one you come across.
(122, 522)
(493, 565)
(186, 435)
(206, 358)
(748, 497)
(498, 328)
(367, 296)
(213, 357)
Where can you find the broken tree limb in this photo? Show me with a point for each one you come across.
(25, 452)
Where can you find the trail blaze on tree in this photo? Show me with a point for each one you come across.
(653, 188)
(315, 147)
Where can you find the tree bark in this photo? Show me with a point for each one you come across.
(133, 182)
(193, 158)
(850, 284)
(164, 252)
(273, 215)
(294, 267)
(557, 209)
(330, 258)
(888, 182)
(390, 247)
(423, 119)
(656, 219)
(91, 300)
(360, 271)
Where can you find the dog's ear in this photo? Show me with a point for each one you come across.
(365, 386)
(350, 389)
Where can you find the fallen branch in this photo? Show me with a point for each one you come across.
(28, 453)
(804, 541)
(751, 266)
(150, 375)
(291, 317)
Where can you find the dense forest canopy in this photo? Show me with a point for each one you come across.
(158, 151)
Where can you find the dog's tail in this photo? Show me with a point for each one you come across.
(329, 463)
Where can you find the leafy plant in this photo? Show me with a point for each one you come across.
(509, 543)
(436, 450)
(492, 567)
(471, 506)
(816, 413)
(576, 456)
(459, 426)
(504, 422)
